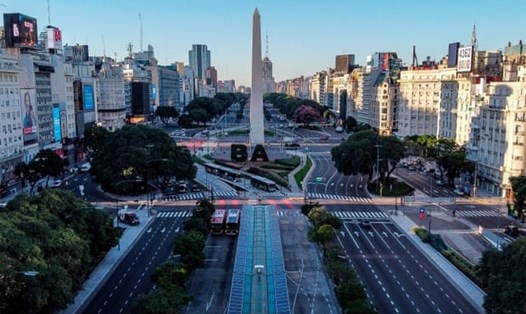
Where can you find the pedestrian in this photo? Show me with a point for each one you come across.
(454, 212)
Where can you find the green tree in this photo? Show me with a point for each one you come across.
(503, 278)
(358, 155)
(137, 151)
(185, 121)
(166, 113)
(170, 300)
(199, 115)
(170, 273)
(349, 124)
(190, 246)
(95, 139)
(322, 235)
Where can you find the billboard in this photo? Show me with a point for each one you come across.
(54, 38)
(20, 30)
(29, 121)
(57, 132)
(464, 59)
(88, 99)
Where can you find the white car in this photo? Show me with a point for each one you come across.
(56, 183)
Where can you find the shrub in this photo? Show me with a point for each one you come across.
(422, 234)
(293, 162)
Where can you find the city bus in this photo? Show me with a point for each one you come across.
(232, 222)
(223, 172)
(217, 221)
(263, 183)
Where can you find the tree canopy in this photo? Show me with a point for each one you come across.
(56, 235)
(166, 113)
(204, 109)
(299, 110)
(45, 164)
(358, 154)
(503, 277)
(137, 151)
(518, 185)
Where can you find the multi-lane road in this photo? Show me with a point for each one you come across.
(397, 276)
(132, 276)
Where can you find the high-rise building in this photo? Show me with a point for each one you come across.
(211, 76)
(199, 60)
(344, 63)
(269, 85)
(16, 103)
(111, 107)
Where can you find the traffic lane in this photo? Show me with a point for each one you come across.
(320, 170)
(441, 290)
(402, 287)
(369, 265)
(131, 277)
(424, 183)
(419, 283)
(210, 285)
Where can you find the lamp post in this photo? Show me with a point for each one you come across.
(148, 196)
(378, 146)
(498, 227)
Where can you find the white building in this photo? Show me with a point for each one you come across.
(11, 131)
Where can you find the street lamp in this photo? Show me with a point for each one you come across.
(378, 146)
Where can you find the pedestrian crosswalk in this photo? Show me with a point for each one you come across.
(174, 214)
(339, 197)
(360, 215)
(200, 195)
(341, 214)
(476, 213)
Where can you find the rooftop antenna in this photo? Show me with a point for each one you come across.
(103, 47)
(140, 31)
(48, 14)
(474, 37)
(130, 49)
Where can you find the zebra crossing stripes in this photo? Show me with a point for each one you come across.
(174, 214)
(199, 195)
(339, 197)
(360, 215)
(476, 213)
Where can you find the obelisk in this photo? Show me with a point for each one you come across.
(257, 131)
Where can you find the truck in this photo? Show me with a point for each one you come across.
(128, 217)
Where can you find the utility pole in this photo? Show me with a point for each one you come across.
(378, 165)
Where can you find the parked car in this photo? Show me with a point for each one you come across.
(459, 192)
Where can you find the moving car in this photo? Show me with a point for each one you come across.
(56, 183)
(366, 224)
(511, 230)
(129, 218)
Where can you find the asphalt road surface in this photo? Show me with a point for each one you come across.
(397, 276)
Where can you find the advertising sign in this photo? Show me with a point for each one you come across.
(464, 60)
(54, 38)
(29, 121)
(20, 30)
(56, 123)
(89, 103)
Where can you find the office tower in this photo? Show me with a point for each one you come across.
(199, 60)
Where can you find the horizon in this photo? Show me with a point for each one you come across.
(298, 44)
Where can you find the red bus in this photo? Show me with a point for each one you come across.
(217, 221)
(232, 222)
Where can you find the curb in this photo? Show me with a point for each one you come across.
(440, 265)
(78, 308)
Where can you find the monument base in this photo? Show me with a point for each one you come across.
(259, 154)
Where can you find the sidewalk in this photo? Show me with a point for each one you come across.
(471, 291)
(111, 261)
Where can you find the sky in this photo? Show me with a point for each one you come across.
(304, 36)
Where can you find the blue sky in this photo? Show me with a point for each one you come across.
(304, 35)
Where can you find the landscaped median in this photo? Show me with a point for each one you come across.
(300, 175)
(456, 259)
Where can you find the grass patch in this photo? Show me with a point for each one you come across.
(394, 188)
(293, 161)
(300, 175)
(238, 132)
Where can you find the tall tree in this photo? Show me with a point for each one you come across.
(503, 278)
(166, 113)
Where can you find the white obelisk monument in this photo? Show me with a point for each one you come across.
(257, 131)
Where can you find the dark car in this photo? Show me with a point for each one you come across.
(511, 230)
